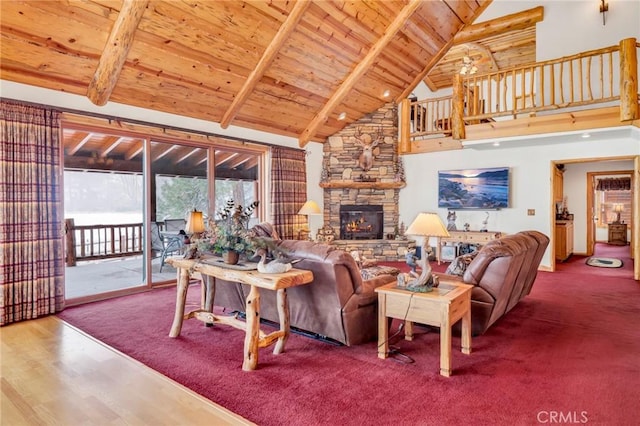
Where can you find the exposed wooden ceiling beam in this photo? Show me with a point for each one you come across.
(115, 51)
(188, 154)
(420, 77)
(485, 52)
(80, 144)
(135, 150)
(360, 69)
(494, 27)
(110, 146)
(265, 61)
(430, 84)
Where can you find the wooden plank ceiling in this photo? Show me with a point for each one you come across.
(289, 63)
(285, 67)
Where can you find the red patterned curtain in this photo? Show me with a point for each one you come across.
(614, 184)
(288, 190)
(31, 241)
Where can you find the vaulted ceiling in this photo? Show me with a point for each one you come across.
(285, 67)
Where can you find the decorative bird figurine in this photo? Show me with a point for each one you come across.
(411, 258)
(273, 267)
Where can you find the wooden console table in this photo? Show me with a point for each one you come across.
(254, 337)
(466, 237)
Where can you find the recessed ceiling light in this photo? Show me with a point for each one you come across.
(586, 135)
(386, 93)
(342, 116)
(496, 144)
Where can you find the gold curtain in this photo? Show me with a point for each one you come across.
(31, 240)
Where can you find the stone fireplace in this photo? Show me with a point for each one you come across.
(370, 195)
(361, 222)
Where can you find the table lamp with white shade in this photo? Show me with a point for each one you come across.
(195, 223)
(425, 225)
(308, 208)
(618, 208)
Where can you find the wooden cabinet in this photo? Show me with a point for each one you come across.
(618, 234)
(564, 239)
(464, 237)
(558, 186)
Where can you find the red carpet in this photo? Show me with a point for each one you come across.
(568, 353)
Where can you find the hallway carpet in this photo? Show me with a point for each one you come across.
(569, 351)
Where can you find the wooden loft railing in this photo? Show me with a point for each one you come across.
(506, 103)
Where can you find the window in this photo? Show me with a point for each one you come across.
(607, 201)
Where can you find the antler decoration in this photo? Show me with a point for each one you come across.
(365, 161)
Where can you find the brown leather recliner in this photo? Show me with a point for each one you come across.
(338, 304)
(502, 273)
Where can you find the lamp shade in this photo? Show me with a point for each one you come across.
(618, 207)
(195, 223)
(310, 207)
(429, 225)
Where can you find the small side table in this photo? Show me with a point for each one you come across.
(442, 307)
(617, 234)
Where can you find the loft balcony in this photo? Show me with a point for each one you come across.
(590, 90)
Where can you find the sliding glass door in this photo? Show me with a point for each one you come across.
(103, 210)
(127, 200)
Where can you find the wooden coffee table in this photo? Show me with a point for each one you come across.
(442, 307)
(254, 337)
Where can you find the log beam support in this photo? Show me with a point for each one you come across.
(628, 80)
(115, 51)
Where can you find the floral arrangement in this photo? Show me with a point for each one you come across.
(230, 232)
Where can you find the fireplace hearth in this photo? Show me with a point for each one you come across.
(361, 222)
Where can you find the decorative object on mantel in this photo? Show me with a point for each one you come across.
(368, 144)
(400, 176)
(451, 221)
(326, 234)
(229, 235)
(485, 223)
(425, 225)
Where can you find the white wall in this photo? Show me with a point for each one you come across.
(530, 181)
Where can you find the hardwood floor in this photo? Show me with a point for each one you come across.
(53, 374)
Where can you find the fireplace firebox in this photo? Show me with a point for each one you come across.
(361, 222)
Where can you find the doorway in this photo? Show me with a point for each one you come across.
(579, 196)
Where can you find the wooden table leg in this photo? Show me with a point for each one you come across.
(408, 330)
(445, 344)
(208, 290)
(181, 297)
(252, 336)
(283, 316)
(383, 327)
(466, 329)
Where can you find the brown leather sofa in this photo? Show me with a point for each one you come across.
(338, 304)
(502, 273)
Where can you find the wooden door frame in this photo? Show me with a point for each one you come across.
(635, 200)
(591, 230)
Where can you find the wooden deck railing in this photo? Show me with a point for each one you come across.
(592, 78)
(92, 242)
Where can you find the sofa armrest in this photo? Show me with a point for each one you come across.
(368, 286)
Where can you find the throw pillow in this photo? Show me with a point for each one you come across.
(460, 263)
(374, 271)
